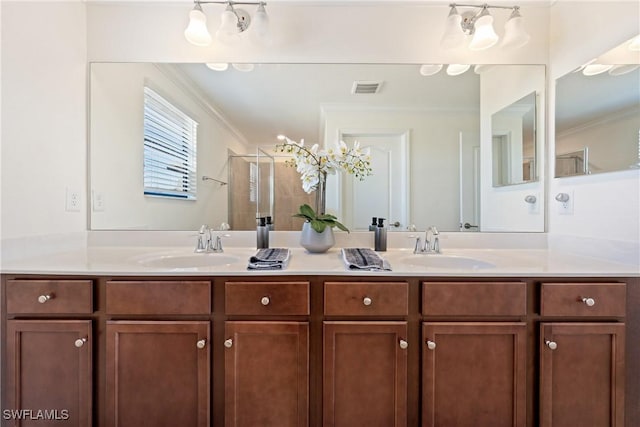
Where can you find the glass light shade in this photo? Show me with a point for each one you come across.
(260, 24)
(453, 36)
(457, 69)
(196, 32)
(217, 66)
(228, 33)
(244, 67)
(635, 44)
(595, 69)
(515, 36)
(484, 36)
(618, 70)
(481, 68)
(430, 69)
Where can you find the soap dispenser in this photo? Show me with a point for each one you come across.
(380, 236)
(374, 224)
(262, 234)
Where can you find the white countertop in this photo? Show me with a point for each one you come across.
(182, 261)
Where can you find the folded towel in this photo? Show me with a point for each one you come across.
(270, 259)
(364, 259)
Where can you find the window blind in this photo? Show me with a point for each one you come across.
(169, 149)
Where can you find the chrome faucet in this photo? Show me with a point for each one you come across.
(206, 242)
(430, 245)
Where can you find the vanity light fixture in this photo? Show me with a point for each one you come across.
(457, 69)
(223, 66)
(479, 26)
(635, 44)
(233, 22)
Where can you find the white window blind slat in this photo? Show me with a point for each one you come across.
(169, 149)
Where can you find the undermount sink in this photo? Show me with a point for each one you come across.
(446, 261)
(194, 260)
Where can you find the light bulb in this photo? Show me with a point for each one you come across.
(453, 36)
(260, 25)
(430, 69)
(457, 69)
(515, 36)
(229, 32)
(196, 32)
(217, 66)
(484, 36)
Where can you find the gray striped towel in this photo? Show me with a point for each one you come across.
(364, 259)
(270, 259)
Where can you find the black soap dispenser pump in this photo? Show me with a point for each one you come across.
(374, 224)
(262, 234)
(380, 236)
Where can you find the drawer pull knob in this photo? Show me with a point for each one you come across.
(201, 343)
(431, 345)
(551, 344)
(228, 343)
(265, 301)
(403, 344)
(80, 342)
(590, 302)
(44, 298)
(367, 301)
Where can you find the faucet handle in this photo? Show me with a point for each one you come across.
(201, 244)
(418, 247)
(217, 245)
(436, 244)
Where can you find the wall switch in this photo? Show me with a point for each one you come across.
(565, 207)
(73, 200)
(98, 201)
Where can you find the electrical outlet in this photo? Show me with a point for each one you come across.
(565, 207)
(98, 201)
(73, 200)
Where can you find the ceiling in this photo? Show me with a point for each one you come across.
(289, 98)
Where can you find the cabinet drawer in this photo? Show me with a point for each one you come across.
(49, 296)
(267, 298)
(158, 297)
(364, 299)
(474, 298)
(583, 299)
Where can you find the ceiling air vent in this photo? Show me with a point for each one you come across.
(366, 87)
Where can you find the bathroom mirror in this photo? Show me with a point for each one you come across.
(513, 132)
(240, 109)
(597, 116)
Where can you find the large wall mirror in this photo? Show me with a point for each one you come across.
(597, 116)
(427, 122)
(513, 132)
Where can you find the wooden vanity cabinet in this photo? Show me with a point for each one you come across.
(49, 363)
(474, 372)
(365, 359)
(582, 359)
(157, 370)
(266, 372)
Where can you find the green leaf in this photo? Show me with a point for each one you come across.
(341, 226)
(318, 226)
(307, 211)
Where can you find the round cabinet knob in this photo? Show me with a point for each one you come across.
(80, 342)
(404, 345)
(551, 344)
(44, 298)
(201, 343)
(431, 345)
(367, 301)
(228, 343)
(590, 302)
(265, 301)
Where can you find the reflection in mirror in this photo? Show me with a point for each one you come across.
(513, 131)
(598, 115)
(432, 122)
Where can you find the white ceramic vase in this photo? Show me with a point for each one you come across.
(315, 242)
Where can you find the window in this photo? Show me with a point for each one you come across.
(169, 149)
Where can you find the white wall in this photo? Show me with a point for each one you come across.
(116, 154)
(504, 208)
(44, 149)
(605, 205)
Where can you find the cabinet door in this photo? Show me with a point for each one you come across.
(49, 369)
(157, 374)
(365, 374)
(474, 374)
(266, 374)
(582, 374)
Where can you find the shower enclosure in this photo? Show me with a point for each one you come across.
(251, 189)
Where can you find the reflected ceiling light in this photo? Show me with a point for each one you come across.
(481, 68)
(618, 70)
(635, 44)
(244, 67)
(430, 69)
(479, 25)
(217, 66)
(233, 22)
(594, 69)
(457, 69)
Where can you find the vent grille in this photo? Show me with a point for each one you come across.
(366, 87)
